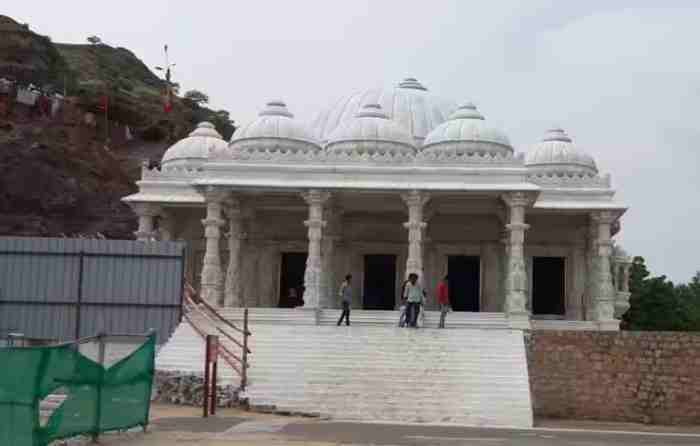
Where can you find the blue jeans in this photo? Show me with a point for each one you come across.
(412, 313)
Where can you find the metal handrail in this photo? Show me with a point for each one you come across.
(219, 329)
(222, 348)
(239, 364)
(223, 319)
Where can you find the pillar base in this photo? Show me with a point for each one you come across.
(519, 321)
(311, 313)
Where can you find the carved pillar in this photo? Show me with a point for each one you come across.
(591, 268)
(232, 288)
(517, 283)
(211, 281)
(329, 255)
(604, 297)
(146, 213)
(266, 282)
(415, 200)
(166, 226)
(504, 239)
(574, 308)
(622, 301)
(250, 254)
(626, 276)
(313, 276)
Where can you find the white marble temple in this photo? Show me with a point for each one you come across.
(397, 173)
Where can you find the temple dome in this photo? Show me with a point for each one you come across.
(371, 132)
(196, 148)
(466, 131)
(409, 103)
(274, 128)
(556, 154)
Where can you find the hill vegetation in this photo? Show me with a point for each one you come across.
(61, 176)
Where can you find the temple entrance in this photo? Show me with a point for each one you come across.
(379, 287)
(292, 279)
(464, 282)
(548, 285)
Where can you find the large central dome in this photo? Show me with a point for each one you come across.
(409, 104)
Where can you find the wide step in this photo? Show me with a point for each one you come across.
(377, 372)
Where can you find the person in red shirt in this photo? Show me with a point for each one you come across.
(443, 298)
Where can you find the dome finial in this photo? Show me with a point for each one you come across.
(205, 128)
(412, 82)
(556, 133)
(371, 110)
(467, 110)
(276, 107)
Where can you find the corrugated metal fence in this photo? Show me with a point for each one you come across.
(55, 288)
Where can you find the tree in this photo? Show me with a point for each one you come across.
(223, 123)
(196, 98)
(657, 304)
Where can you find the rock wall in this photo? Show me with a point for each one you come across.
(648, 377)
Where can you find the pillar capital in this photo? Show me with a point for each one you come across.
(415, 198)
(316, 197)
(144, 209)
(213, 193)
(604, 217)
(519, 198)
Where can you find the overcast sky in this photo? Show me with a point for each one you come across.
(620, 76)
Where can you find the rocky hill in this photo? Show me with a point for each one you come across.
(65, 174)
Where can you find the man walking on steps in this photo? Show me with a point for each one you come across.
(345, 295)
(413, 293)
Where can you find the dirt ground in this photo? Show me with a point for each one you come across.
(181, 425)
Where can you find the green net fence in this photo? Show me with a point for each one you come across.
(106, 386)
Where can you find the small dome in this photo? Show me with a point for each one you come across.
(274, 128)
(409, 103)
(466, 131)
(556, 154)
(196, 148)
(371, 132)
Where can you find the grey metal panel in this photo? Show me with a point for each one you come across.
(37, 273)
(39, 321)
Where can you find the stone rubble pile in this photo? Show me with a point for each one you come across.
(188, 389)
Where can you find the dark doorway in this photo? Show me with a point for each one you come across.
(548, 285)
(464, 282)
(292, 278)
(379, 282)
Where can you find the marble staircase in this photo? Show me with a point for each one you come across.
(375, 371)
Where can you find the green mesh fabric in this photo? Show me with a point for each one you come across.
(98, 399)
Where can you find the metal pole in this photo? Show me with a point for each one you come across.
(206, 376)
(100, 383)
(79, 299)
(213, 399)
(244, 356)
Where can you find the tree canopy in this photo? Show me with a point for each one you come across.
(658, 304)
(196, 97)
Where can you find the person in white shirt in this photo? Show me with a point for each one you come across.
(413, 293)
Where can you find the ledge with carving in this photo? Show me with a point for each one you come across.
(470, 158)
(571, 180)
(244, 148)
(276, 155)
(167, 172)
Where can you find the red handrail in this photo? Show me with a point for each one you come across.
(239, 364)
